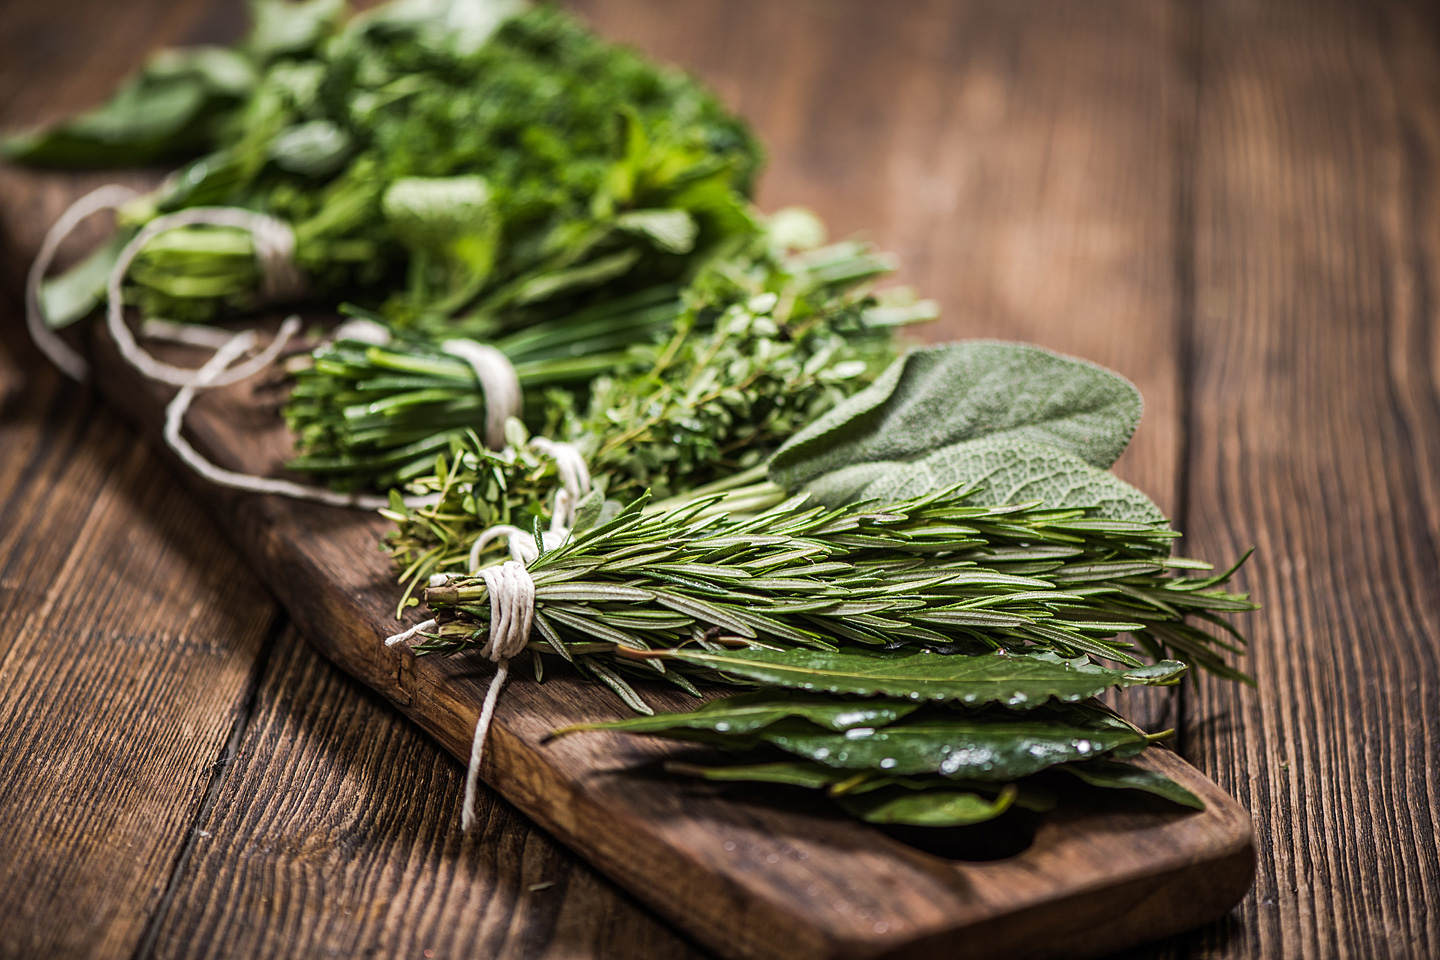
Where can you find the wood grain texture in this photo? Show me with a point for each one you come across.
(335, 828)
(129, 636)
(1315, 423)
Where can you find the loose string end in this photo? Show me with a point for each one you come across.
(406, 635)
(477, 745)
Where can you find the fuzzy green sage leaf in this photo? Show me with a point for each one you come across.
(938, 397)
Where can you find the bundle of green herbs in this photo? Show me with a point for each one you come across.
(465, 167)
(927, 582)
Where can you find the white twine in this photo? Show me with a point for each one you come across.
(189, 334)
(574, 475)
(211, 375)
(498, 382)
(362, 330)
(274, 244)
(109, 197)
(512, 597)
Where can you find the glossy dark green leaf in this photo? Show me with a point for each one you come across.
(794, 773)
(935, 807)
(747, 712)
(1017, 681)
(1115, 775)
(986, 747)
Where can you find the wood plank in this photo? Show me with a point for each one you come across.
(122, 679)
(1315, 422)
(128, 630)
(334, 833)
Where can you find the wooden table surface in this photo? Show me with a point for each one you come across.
(1234, 203)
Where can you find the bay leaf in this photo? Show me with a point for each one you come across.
(793, 773)
(936, 807)
(1018, 681)
(964, 746)
(747, 712)
(1116, 775)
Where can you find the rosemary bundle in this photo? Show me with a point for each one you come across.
(934, 574)
(936, 577)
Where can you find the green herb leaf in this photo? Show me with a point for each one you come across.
(986, 747)
(1115, 775)
(937, 397)
(1016, 421)
(999, 470)
(1016, 681)
(935, 807)
(794, 773)
(747, 712)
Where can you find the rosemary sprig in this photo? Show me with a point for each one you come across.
(935, 573)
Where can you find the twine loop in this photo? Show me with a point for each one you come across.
(498, 382)
(274, 244)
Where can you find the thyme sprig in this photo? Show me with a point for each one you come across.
(758, 344)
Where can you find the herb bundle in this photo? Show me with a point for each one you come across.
(768, 335)
(461, 166)
(804, 586)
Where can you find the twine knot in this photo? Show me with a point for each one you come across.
(510, 586)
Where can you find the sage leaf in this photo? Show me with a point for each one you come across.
(1016, 681)
(937, 397)
(998, 470)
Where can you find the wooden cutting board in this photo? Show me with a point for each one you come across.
(749, 873)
